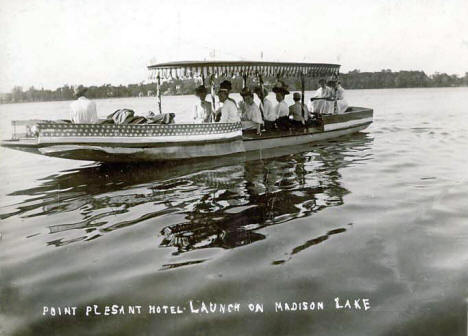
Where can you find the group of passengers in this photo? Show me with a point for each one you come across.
(267, 116)
(329, 98)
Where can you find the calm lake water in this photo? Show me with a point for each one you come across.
(380, 215)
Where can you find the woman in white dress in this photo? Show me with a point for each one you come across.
(321, 102)
(341, 103)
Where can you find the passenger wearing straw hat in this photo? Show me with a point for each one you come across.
(281, 109)
(202, 111)
(228, 111)
(250, 113)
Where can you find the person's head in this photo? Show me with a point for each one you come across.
(201, 92)
(247, 95)
(279, 96)
(80, 91)
(297, 97)
(226, 85)
(261, 92)
(280, 89)
(322, 82)
(223, 94)
(332, 83)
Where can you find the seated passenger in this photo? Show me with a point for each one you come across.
(266, 108)
(341, 103)
(321, 102)
(281, 109)
(250, 113)
(202, 111)
(225, 84)
(83, 110)
(298, 111)
(228, 111)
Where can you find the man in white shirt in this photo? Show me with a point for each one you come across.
(228, 110)
(250, 116)
(83, 110)
(266, 108)
(281, 109)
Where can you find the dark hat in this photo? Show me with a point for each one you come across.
(80, 91)
(258, 90)
(225, 85)
(280, 87)
(246, 92)
(201, 89)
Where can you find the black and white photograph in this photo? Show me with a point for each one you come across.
(211, 168)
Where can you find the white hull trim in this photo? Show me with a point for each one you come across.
(349, 123)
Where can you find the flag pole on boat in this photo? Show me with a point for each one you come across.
(302, 95)
(213, 102)
(260, 81)
(158, 93)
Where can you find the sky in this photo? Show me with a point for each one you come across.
(49, 43)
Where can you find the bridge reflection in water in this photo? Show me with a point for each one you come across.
(223, 201)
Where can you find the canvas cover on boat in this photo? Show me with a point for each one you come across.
(190, 69)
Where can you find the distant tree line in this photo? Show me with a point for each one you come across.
(352, 80)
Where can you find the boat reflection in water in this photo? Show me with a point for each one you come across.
(223, 201)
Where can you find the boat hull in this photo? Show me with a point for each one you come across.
(91, 148)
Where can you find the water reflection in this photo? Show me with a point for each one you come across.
(223, 202)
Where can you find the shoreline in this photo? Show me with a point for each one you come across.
(176, 95)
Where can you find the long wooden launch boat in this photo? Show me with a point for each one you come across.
(165, 142)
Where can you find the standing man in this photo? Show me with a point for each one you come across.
(266, 108)
(202, 111)
(228, 110)
(281, 109)
(83, 110)
(298, 111)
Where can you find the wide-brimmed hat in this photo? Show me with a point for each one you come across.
(201, 89)
(246, 92)
(225, 85)
(258, 90)
(280, 87)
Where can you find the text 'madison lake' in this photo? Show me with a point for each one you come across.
(363, 235)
